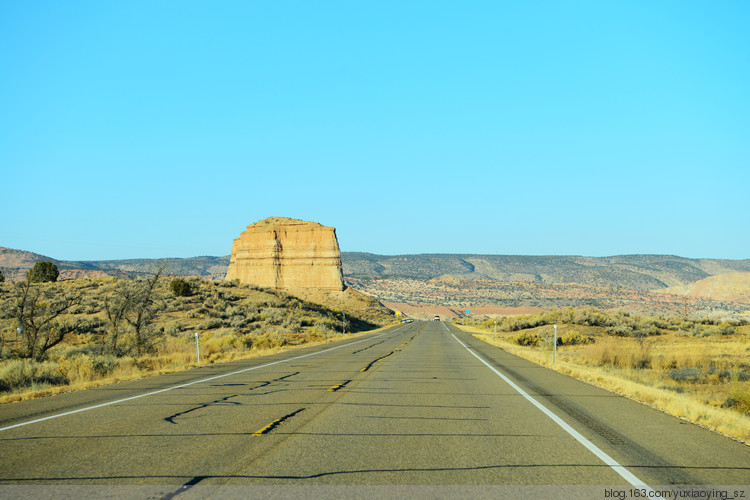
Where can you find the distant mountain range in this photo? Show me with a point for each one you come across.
(632, 272)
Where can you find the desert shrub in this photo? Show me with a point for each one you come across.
(237, 322)
(210, 324)
(25, 373)
(245, 340)
(267, 341)
(547, 341)
(662, 362)
(73, 351)
(575, 338)
(292, 324)
(524, 322)
(625, 326)
(673, 388)
(527, 340)
(93, 325)
(180, 287)
(78, 368)
(42, 272)
(739, 402)
(723, 328)
(228, 296)
(620, 330)
(697, 330)
(646, 328)
(104, 364)
(327, 325)
(2, 277)
(592, 317)
(738, 375)
(139, 343)
(173, 327)
(215, 303)
(217, 314)
(272, 316)
(638, 359)
(688, 375)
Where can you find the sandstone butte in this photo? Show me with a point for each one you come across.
(285, 254)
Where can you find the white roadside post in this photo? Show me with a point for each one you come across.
(554, 347)
(197, 351)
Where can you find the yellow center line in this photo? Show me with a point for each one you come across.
(338, 386)
(275, 423)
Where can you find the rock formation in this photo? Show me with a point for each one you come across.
(287, 253)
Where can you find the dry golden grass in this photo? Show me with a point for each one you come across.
(232, 322)
(657, 371)
(173, 359)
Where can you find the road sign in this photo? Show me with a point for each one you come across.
(467, 311)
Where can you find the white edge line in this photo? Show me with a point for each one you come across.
(183, 385)
(620, 469)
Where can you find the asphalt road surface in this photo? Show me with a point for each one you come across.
(419, 404)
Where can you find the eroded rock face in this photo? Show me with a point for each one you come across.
(287, 253)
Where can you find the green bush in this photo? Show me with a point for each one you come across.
(42, 272)
(180, 287)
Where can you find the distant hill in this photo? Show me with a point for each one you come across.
(730, 287)
(11, 260)
(190, 266)
(633, 272)
(15, 264)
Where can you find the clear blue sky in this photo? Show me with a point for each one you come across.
(161, 129)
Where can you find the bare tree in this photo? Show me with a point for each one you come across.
(134, 303)
(115, 308)
(39, 310)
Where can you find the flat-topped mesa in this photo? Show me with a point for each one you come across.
(284, 253)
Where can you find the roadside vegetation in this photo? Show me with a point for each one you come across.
(59, 336)
(696, 369)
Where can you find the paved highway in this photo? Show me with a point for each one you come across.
(419, 404)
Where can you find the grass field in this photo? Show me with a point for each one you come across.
(700, 374)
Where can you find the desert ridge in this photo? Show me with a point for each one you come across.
(284, 254)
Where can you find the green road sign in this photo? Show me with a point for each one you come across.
(467, 311)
